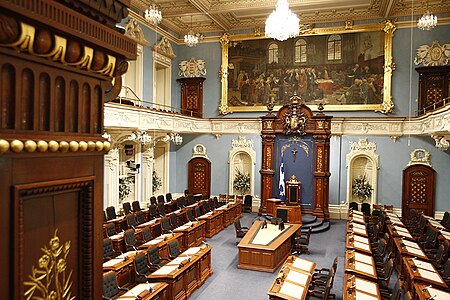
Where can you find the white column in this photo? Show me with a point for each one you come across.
(111, 187)
(147, 173)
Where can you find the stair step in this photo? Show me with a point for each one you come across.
(319, 228)
(307, 219)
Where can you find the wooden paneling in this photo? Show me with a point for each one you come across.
(418, 189)
(199, 176)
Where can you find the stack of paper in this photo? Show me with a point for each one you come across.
(112, 262)
(292, 290)
(366, 286)
(297, 277)
(165, 270)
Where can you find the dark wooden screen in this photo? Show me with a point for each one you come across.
(199, 176)
(58, 60)
(192, 96)
(418, 189)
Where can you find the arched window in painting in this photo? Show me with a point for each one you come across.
(300, 51)
(334, 47)
(273, 53)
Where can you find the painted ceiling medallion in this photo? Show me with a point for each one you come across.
(434, 55)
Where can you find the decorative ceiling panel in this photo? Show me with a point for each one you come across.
(225, 15)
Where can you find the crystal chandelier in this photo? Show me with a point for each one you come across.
(282, 23)
(191, 39)
(153, 14)
(140, 136)
(427, 21)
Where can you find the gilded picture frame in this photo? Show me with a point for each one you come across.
(347, 68)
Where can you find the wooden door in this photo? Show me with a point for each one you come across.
(418, 189)
(199, 176)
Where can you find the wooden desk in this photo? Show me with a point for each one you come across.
(408, 248)
(193, 234)
(123, 267)
(356, 287)
(141, 291)
(293, 280)
(357, 219)
(421, 271)
(271, 206)
(356, 228)
(155, 226)
(162, 241)
(360, 264)
(268, 257)
(424, 292)
(186, 273)
(358, 243)
(214, 222)
(294, 213)
(401, 232)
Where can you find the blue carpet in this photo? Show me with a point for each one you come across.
(230, 283)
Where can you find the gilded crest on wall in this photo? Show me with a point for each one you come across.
(192, 68)
(294, 121)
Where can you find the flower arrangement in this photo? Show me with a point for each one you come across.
(156, 182)
(361, 188)
(125, 187)
(241, 181)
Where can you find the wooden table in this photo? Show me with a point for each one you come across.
(293, 280)
(424, 292)
(356, 287)
(265, 257)
(193, 234)
(142, 291)
(186, 273)
(360, 264)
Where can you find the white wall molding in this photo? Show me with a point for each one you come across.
(436, 123)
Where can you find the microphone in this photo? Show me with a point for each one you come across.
(351, 278)
(149, 287)
(204, 244)
(425, 288)
(171, 232)
(135, 249)
(197, 220)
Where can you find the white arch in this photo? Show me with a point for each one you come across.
(244, 148)
(366, 151)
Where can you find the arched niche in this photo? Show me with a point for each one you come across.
(241, 157)
(362, 161)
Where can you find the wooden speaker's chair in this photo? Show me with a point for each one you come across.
(111, 289)
(126, 208)
(174, 249)
(136, 206)
(154, 260)
(111, 213)
(301, 242)
(247, 206)
(141, 268)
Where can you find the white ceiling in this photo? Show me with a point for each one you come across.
(227, 15)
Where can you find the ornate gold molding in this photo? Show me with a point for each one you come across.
(49, 278)
(31, 146)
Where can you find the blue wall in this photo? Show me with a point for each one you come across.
(393, 156)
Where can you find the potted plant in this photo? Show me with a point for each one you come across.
(125, 187)
(361, 188)
(241, 182)
(156, 182)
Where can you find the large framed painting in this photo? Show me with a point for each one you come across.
(345, 68)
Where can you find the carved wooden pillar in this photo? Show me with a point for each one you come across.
(322, 173)
(267, 171)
